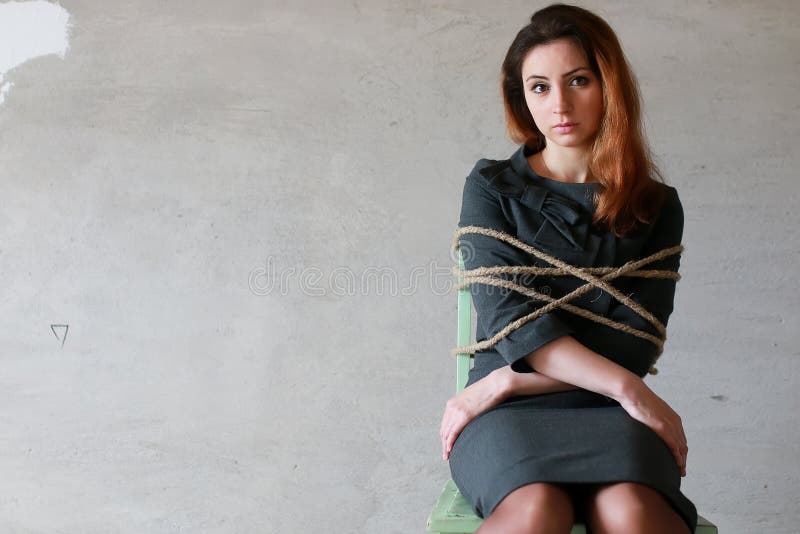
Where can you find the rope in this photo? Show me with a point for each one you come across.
(482, 275)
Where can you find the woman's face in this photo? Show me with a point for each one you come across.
(563, 95)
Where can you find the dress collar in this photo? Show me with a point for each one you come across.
(568, 206)
(519, 162)
(514, 176)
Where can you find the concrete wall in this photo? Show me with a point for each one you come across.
(182, 151)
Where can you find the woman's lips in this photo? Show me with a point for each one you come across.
(565, 127)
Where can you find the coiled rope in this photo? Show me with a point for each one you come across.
(484, 275)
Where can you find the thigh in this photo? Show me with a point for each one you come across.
(537, 507)
(631, 507)
(538, 493)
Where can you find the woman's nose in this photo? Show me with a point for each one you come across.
(561, 101)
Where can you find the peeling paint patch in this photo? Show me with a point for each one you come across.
(29, 30)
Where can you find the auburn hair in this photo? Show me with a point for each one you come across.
(620, 157)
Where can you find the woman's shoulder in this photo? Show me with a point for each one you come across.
(489, 187)
(671, 205)
(484, 165)
(667, 218)
(657, 200)
(497, 176)
(669, 192)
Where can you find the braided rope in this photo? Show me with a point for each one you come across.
(562, 268)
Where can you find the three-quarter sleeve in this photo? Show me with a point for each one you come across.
(496, 307)
(655, 294)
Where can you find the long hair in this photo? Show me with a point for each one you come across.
(620, 157)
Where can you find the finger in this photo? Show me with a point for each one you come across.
(682, 433)
(443, 424)
(685, 457)
(680, 442)
(678, 460)
(447, 423)
(677, 453)
(445, 441)
(451, 439)
(448, 445)
(683, 447)
(680, 457)
(455, 431)
(448, 438)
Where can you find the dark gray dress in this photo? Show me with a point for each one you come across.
(574, 437)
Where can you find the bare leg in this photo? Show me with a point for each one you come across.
(539, 508)
(632, 508)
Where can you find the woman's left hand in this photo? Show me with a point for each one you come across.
(470, 403)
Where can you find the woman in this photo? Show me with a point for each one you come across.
(556, 423)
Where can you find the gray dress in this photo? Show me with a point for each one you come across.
(574, 437)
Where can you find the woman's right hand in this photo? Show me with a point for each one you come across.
(472, 401)
(645, 406)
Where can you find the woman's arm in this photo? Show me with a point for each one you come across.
(656, 295)
(484, 206)
(510, 383)
(569, 361)
(488, 392)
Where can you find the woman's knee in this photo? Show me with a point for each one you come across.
(632, 507)
(539, 507)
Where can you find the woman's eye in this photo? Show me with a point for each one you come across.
(538, 88)
(580, 80)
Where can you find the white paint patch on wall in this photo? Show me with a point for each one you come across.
(29, 30)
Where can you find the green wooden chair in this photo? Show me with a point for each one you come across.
(452, 514)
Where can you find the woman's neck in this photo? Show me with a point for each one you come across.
(565, 164)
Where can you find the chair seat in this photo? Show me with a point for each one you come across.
(453, 515)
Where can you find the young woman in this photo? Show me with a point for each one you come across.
(556, 422)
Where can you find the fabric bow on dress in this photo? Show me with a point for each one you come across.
(567, 216)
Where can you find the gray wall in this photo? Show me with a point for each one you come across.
(151, 175)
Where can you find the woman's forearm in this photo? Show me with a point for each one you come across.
(567, 360)
(511, 383)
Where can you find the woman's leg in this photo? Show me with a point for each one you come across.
(632, 508)
(539, 508)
